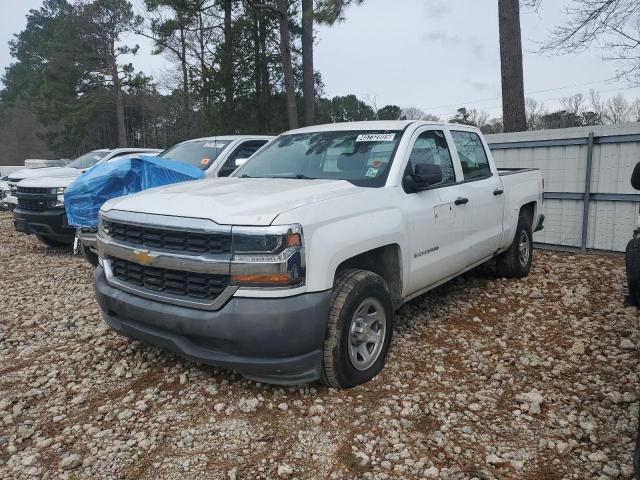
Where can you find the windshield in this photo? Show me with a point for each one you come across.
(201, 153)
(87, 160)
(360, 157)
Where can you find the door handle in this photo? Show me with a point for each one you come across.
(461, 200)
(498, 191)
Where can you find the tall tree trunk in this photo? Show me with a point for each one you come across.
(185, 80)
(121, 132)
(227, 62)
(308, 90)
(287, 68)
(264, 72)
(257, 72)
(203, 66)
(513, 110)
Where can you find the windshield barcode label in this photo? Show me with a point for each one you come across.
(376, 137)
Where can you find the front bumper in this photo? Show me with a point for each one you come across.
(274, 340)
(88, 239)
(49, 223)
(8, 202)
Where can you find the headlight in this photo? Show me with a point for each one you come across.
(268, 256)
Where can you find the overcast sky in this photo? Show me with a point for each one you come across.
(433, 54)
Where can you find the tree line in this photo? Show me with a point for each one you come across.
(240, 66)
(244, 66)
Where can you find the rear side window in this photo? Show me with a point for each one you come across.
(473, 158)
(431, 149)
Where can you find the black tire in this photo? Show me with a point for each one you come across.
(356, 291)
(49, 242)
(511, 263)
(89, 256)
(632, 261)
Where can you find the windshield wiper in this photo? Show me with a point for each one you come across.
(297, 176)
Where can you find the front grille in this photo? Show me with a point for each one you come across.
(200, 286)
(34, 190)
(35, 205)
(171, 240)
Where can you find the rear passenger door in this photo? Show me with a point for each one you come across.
(241, 152)
(437, 230)
(484, 194)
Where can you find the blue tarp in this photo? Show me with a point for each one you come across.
(84, 197)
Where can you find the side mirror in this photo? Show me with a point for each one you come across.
(241, 161)
(428, 173)
(425, 175)
(635, 177)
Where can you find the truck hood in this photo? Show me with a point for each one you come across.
(44, 172)
(48, 182)
(233, 201)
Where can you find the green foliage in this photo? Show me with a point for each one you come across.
(389, 112)
(462, 117)
(343, 109)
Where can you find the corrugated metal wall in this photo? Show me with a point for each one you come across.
(562, 156)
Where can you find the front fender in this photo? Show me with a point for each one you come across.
(333, 243)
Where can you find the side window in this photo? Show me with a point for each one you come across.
(473, 158)
(243, 152)
(431, 148)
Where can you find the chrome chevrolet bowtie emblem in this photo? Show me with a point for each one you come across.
(143, 257)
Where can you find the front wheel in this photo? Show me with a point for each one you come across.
(516, 262)
(359, 329)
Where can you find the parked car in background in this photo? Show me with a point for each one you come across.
(216, 156)
(4, 192)
(39, 195)
(290, 270)
(72, 169)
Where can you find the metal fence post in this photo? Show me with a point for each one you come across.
(587, 193)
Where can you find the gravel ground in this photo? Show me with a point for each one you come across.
(487, 378)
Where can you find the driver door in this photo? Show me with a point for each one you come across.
(437, 227)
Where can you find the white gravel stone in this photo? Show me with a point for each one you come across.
(285, 471)
(71, 461)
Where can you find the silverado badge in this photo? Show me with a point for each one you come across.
(143, 257)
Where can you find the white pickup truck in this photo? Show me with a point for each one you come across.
(290, 270)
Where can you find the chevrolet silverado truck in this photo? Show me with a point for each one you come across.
(38, 195)
(291, 269)
(216, 156)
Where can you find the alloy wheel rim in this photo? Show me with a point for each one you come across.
(367, 333)
(524, 248)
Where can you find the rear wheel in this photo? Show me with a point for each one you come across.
(359, 329)
(516, 262)
(49, 242)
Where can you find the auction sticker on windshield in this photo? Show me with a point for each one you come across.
(376, 137)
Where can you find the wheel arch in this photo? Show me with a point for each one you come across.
(385, 261)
